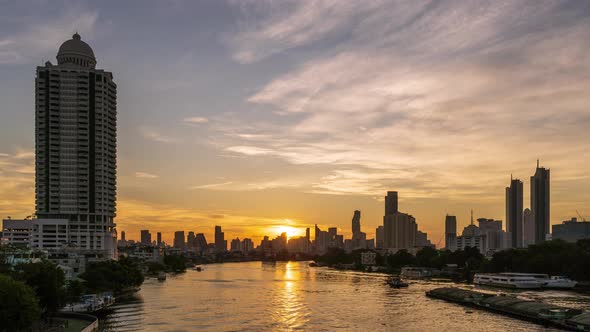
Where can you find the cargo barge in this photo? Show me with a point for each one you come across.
(533, 311)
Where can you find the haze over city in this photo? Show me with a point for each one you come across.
(272, 116)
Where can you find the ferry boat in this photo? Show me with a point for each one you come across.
(549, 282)
(508, 280)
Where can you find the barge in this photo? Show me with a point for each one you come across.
(533, 311)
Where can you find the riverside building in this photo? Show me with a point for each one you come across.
(76, 150)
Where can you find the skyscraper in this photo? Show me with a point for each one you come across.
(379, 237)
(123, 236)
(528, 228)
(540, 202)
(159, 238)
(356, 223)
(179, 239)
(75, 146)
(146, 237)
(514, 212)
(399, 229)
(451, 233)
(391, 203)
(220, 244)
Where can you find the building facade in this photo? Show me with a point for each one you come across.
(451, 233)
(572, 230)
(76, 147)
(514, 212)
(540, 202)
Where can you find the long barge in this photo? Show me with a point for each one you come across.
(533, 311)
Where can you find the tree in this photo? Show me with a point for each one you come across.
(19, 308)
(112, 275)
(400, 258)
(47, 280)
(175, 263)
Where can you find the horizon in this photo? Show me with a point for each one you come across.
(258, 116)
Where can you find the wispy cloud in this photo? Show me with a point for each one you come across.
(211, 185)
(144, 175)
(196, 120)
(40, 38)
(156, 136)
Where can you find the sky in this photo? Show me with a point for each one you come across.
(256, 115)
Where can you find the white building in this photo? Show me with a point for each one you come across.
(75, 149)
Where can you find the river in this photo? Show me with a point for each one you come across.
(256, 296)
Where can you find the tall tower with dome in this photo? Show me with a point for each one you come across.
(76, 147)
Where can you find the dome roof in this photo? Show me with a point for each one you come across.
(75, 51)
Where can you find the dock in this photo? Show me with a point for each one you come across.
(533, 311)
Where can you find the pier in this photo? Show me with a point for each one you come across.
(537, 312)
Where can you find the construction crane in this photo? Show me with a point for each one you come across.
(579, 215)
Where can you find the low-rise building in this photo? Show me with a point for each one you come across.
(369, 258)
(571, 230)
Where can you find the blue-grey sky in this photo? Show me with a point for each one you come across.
(262, 114)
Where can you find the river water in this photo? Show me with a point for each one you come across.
(256, 296)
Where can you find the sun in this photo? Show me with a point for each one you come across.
(290, 230)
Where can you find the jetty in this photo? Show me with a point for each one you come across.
(533, 311)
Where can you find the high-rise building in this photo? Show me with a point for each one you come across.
(201, 242)
(235, 245)
(356, 222)
(179, 239)
(540, 202)
(391, 203)
(220, 243)
(399, 229)
(159, 238)
(528, 228)
(123, 236)
(514, 212)
(247, 245)
(146, 237)
(451, 233)
(75, 146)
(190, 239)
(492, 229)
(379, 237)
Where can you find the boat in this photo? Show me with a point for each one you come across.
(162, 276)
(508, 280)
(411, 272)
(198, 269)
(559, 282)
(91, 303)
(396, 283)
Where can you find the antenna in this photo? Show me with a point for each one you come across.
(537, 163)
(472, 216)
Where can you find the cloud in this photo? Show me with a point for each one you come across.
(38, 40)
(420, 89)
(211, 185)
(196, 120)
(143, 175)
(156, 136)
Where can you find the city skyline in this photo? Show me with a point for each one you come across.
(216, 127)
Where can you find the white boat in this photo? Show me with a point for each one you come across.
(508, 280)
(560, 282)
(549, 282)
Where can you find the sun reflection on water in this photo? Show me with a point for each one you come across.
(290, 312)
